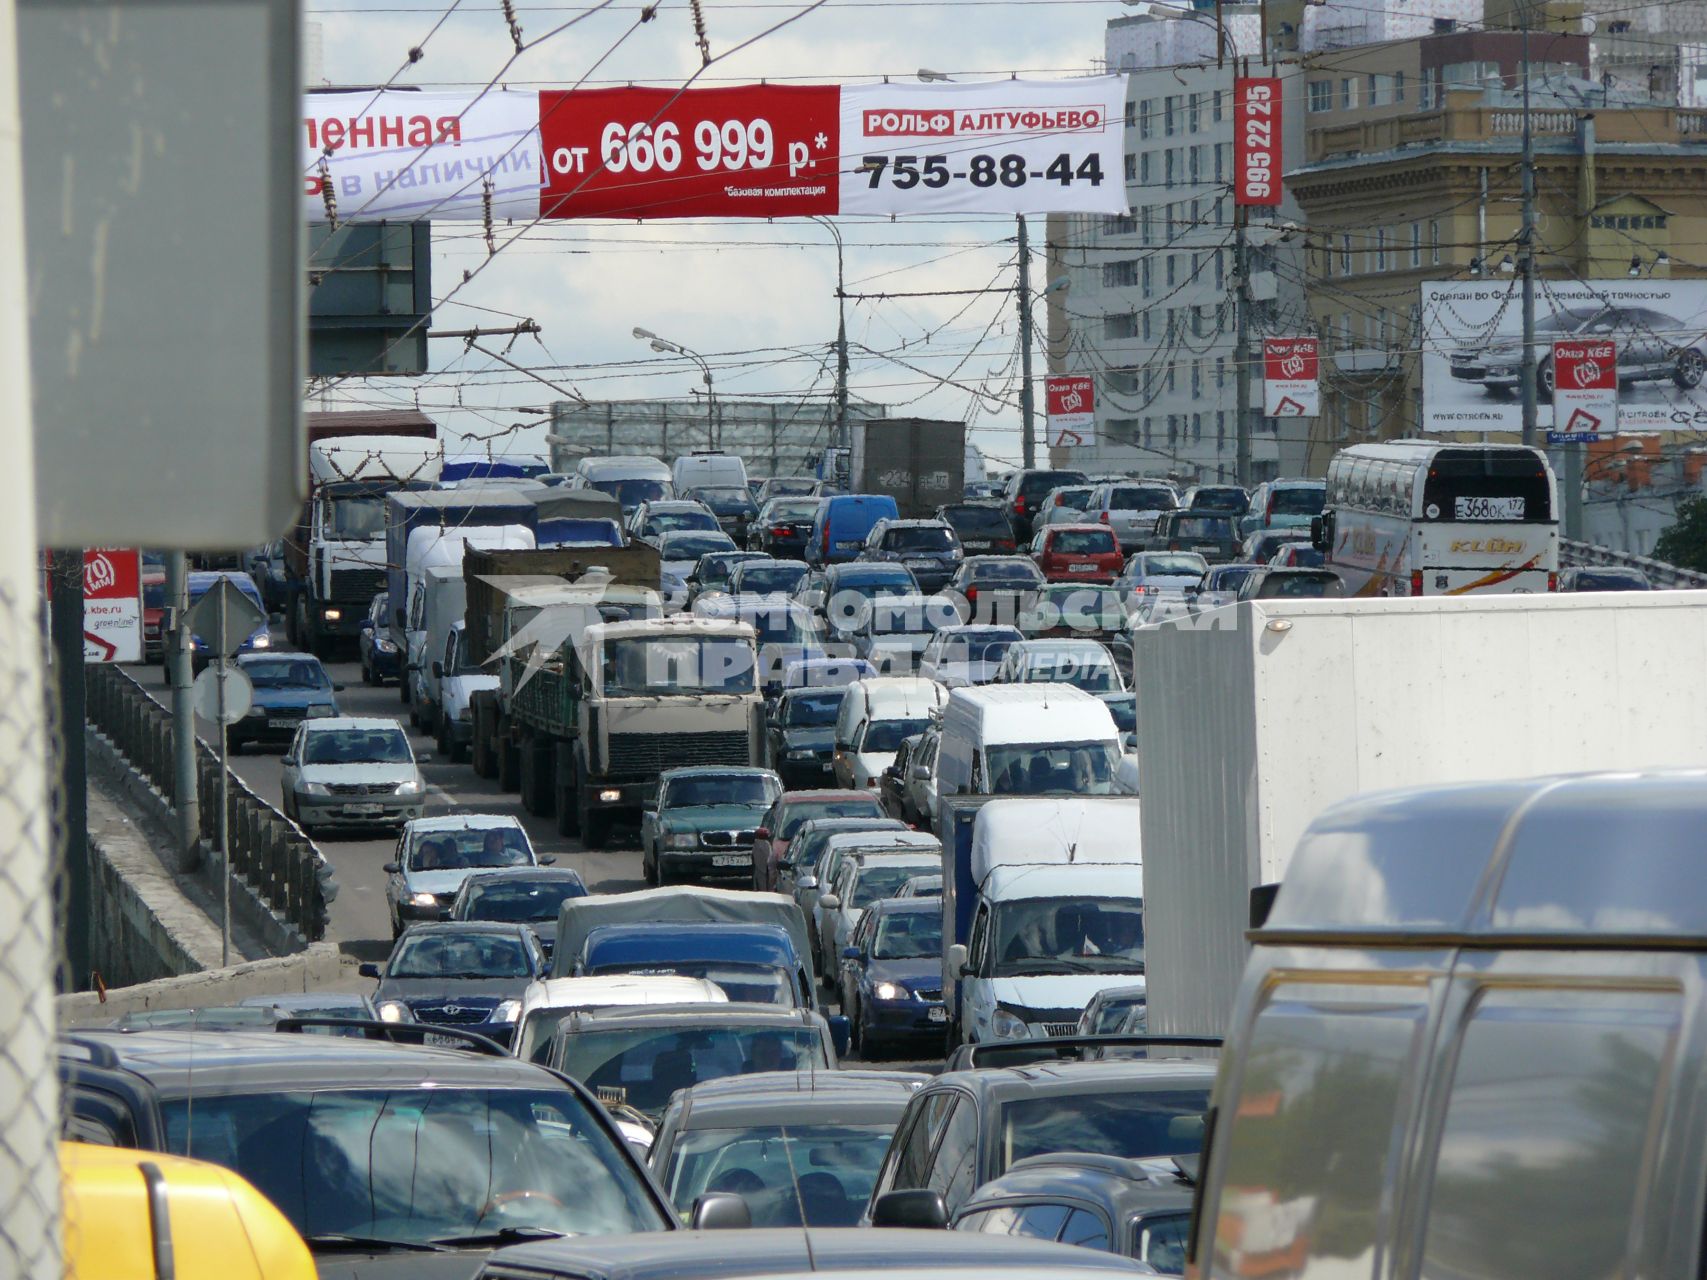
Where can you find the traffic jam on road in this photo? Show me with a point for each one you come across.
(719, 851)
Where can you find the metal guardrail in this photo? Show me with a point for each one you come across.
(1659, 572)
(285, 868)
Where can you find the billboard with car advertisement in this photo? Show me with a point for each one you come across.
(1472, 350)
(737, 151)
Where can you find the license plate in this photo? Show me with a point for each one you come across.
(849, 546)
(281, 724)
(1206, 546)
(1081, 568)
(825, 766)
(363, 810)
(937, 1015)
(730, 860)
(1487, 508)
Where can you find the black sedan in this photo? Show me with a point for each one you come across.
(891, 978)
(782, 527)
(799, 735)
(463, 974)
(519, 895)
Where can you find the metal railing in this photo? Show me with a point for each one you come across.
(283, 867)
(1659, 572)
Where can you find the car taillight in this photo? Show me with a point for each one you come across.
(1416, 582)
(1006, 544)
(1102, 517)
(1174, 545)
(1019, 504)
(1552, 582)
(779, 531)
(826, 551)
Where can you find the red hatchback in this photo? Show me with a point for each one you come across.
(1078, 553)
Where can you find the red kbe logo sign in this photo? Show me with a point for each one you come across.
(1585, 366)
(1289, 359)
(1256, 140)
(1068, 396)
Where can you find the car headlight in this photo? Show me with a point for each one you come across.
(261, 641)
(423, 900)
(320, 710)
(312, 789)
(412, 787)
(1008, 1026)
(507, 1011)
(802, 753)
(384, 645)
(332, 615)
(889, 991)
(392, 1011)
(681, 840)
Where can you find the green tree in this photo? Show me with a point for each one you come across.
(1685, 543)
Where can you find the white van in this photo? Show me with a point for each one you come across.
(1028, 739)
(709, 470)
(629, 478)
(1057, 915)
(876, 715)
(436, 547)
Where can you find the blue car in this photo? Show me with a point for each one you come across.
(754, 964)
(891, 978)
(203, 582)
(288, 689)
(842, 524)
(377, 650)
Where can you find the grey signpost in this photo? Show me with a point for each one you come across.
(225, 618)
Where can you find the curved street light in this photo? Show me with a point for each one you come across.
(666, 347)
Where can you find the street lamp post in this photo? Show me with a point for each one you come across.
(841, 337)
(664, 345)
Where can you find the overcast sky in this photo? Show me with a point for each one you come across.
(756, 298)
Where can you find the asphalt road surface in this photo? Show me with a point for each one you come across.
(360, 925)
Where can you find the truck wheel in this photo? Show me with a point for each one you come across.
(480, 750)
(403, 684)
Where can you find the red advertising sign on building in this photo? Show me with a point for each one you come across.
(112, 605)
(1256, 140)
(1290, 368)
(1585, 389)
(747, 151)
(1070, 402)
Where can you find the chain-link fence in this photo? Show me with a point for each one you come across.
(284, 867)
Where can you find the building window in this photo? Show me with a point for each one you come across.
(1348, 93)
(1220, 428)
(1168, 167)
(1434, 240)
(1120, 274)
(1131, 166)
(1194, 113)
(1220, 161)
(1146, 111)
(1215, 109)
(1197, 428)
(1416, 244)
(1147, 433)
(1345, 254)
(1144, 169)
(1146, 330)
(1117, 224)
(1173, 428)
(1117, 327)
(1220, 373)
(1197, 165)
(1222, 316)
(1144, 232)
(1147, 277)
(1221, 211)
(1131, 114)
(1425, 91)
(1381, 248)
(1149, 383)
(1220, 269)
(1171, 381)
(1321, 95)
(1170, 113)
(1398, 87)
(1197, 377)
(1171, 272)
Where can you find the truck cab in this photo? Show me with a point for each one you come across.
(452, 679)
(1043, 908)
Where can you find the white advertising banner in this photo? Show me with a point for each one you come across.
(1472, 350)
(420, 156)
(1002, 146)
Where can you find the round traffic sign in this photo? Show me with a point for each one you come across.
(239, 693)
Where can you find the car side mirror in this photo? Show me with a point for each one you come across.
(805, 882)
(425, 757)
(438, 669)
(921, 773)
(392, 868)
(546, 859)
(289, 759)
(841, 1032)
(720, 1211)
(851, 953)
(368, 969)
(957, 956)
(829, 902)
(919, 1208)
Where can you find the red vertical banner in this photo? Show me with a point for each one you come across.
(1256, 140)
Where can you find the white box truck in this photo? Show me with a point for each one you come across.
(1254, 718)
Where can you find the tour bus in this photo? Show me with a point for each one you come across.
(1418, 518)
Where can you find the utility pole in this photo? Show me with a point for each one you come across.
(841, 335)
(1528, 249)
(66, 630)
(1028, 442)
(29, 1164)
(1241, 347)
(179, 675)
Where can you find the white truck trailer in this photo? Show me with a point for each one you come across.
(1254, 718)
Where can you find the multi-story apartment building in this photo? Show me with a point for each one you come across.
(1149, 311)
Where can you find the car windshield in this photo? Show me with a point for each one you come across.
(791, 512)
(824, 1172)
(778, 624)
(677, 665)
(1610, 580)
(922, 537)
(727, 502)
(908, 935)
(1089, 669)
(631, 493)
(1203, 527)
(790, 484)
(356, 746)
(1227, 577)
(1039, 483)
(1219, 500)
(1302, 555)
(357, 517)
(693, 545)
(419, 1164)
(806, 854)
(1160, 1242)
(643, 1066)
(1125, 713)
(847, 807)
(521, 901)
(979, 522)
(1139, 1125)
(1303, 500)
(742, 983)
(874, 883)
(909, 616)
(977, 646)
(1068, 935)
(1006, 571)
(1186, 566)
(1079, 768)
(1141, 498)
(702, 791)
(1084, 542)
(888, 735)
(813, 710)
(458, 847)
(286, 673)
(874, 586)
(1301, 586)
(767, 578)
(459, 955)
(1081, 608)
(1078, 499)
